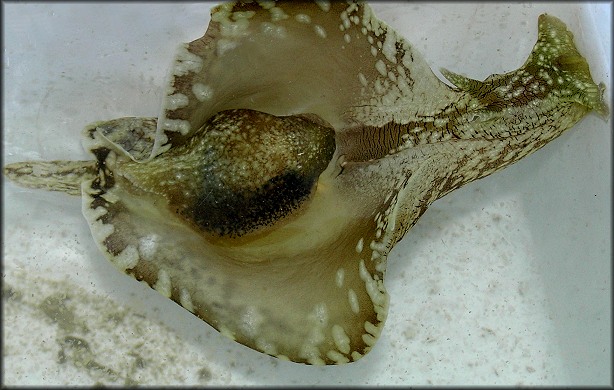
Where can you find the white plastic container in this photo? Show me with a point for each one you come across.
(505, 281)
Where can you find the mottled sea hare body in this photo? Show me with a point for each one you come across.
(265, 199)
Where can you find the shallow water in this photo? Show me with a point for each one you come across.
(505, 281)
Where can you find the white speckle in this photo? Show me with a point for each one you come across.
(362, 79)
(127, 259)
(224, 45)
(374, 330)
(163, 284)
(392, 77)
(373, 51)
(267, 27)
(243, 15)
(234, 29)
(368, 339)
(345, 20)
(316, 361)
(319, 30)
(95, 214)
(324, 5)
(202, 92)
(347, 38)
(273, 30)
(359, 245)
(379, 247)
(251, 319)
(356, 355)
(379, 87)
(317, 322)
(176, 101)
(380, 266)
(353, 300)
(302, 18)
(186, 62)
(186, 300)
(381, 67)
(341, 339)
(376, 291)
(108, 196)
(266, 346)
(309, 349)
(320, 313)
(266, 4)
(100, 231)
(440, 122)
(148, 246)
(389, 48)
(277, 14)
(337, 357)
(526, 79)
(518, 92)
(340, 277)
(180, 125)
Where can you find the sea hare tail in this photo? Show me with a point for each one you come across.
(534, 104)
(62, 176)
(555, 54)
(554, 74)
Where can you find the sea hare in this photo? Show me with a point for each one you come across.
(297, 143)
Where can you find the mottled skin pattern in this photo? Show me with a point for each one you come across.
(265, 200)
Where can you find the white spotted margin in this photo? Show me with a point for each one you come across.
(265, 198)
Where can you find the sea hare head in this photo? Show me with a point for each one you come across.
(298, 142)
